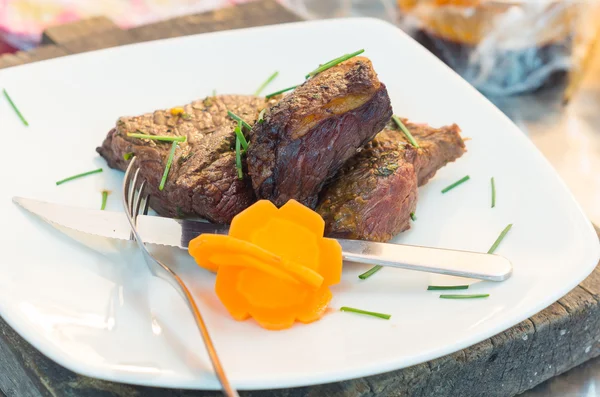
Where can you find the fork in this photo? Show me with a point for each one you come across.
(134, 201)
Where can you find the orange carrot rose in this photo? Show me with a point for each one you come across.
(274, 266)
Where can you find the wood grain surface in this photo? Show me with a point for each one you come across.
(562, 336)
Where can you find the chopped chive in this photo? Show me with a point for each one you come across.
(405, 130)
(370, 272)
(446, 287)
(261, 116)
(240, 135)
(374, 314)
(474, 296)
(499, 239)
(493, 193)
(238, 158)
(214, 93)
(104, 198)
(266, 83)
(165, 138)
(280, 92)
(239, 119)
(168, 166)
(78, 176)
(333, 62)
(455, 184)
(413, 217)
(127, 156)
(15, 108)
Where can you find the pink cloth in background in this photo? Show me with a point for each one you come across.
(23, 21)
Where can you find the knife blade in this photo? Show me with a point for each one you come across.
(179, 232)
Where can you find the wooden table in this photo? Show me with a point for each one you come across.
(562, 336)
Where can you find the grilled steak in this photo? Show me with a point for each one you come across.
(203, 179)
(313, 131)
(372, 196)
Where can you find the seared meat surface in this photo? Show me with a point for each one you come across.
(372, 196)
(324, 144)
(203, 180)
(307, 136)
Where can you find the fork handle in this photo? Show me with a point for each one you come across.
(432, 260)
(228, 390)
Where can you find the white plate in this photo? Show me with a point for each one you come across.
(109, 319)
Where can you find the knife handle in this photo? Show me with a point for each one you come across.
(475, 265)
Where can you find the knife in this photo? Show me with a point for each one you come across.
(179, 232)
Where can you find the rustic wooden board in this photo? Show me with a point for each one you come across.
(562, 336)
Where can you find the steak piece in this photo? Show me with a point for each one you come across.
(203, 179)
(307, 136)
(373, 195)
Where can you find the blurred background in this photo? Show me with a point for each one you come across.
(537, 60)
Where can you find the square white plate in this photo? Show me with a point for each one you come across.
(107, 318)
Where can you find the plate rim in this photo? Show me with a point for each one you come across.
(103, 372)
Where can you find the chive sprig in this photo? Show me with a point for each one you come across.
(239, 120)
(493, 192)
(15, 108)
(333, 62)
(446, 287)
(271, 95)
(455, 184)
(461, 296)
(164, 138)
(370, 272)
(238, 158)
(239, 135)
(104, 199)
(405, 130)
(168, 166)
(499, 239)
(266, 83)
(78, 176)
(368, 313)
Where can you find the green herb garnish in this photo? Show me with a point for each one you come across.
(280, 92)
(333, 62)
(413, 217)
(455, 184)
(78, 176)
(104, 198)
(474, 296)
(168, 166)
(239, 119)
(15, 108)
(266, 83)
(405, 130)
(240, 136)
(164, 138)
(493, 193)
(499, 239)
(214, 93)
(261, 116)
(238, 158)
(370, 272)
(374, 314)
(128, 156)
(446, 287)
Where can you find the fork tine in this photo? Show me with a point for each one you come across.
(134, 199)
(132, 189)
(145, 204)
(137, 200)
